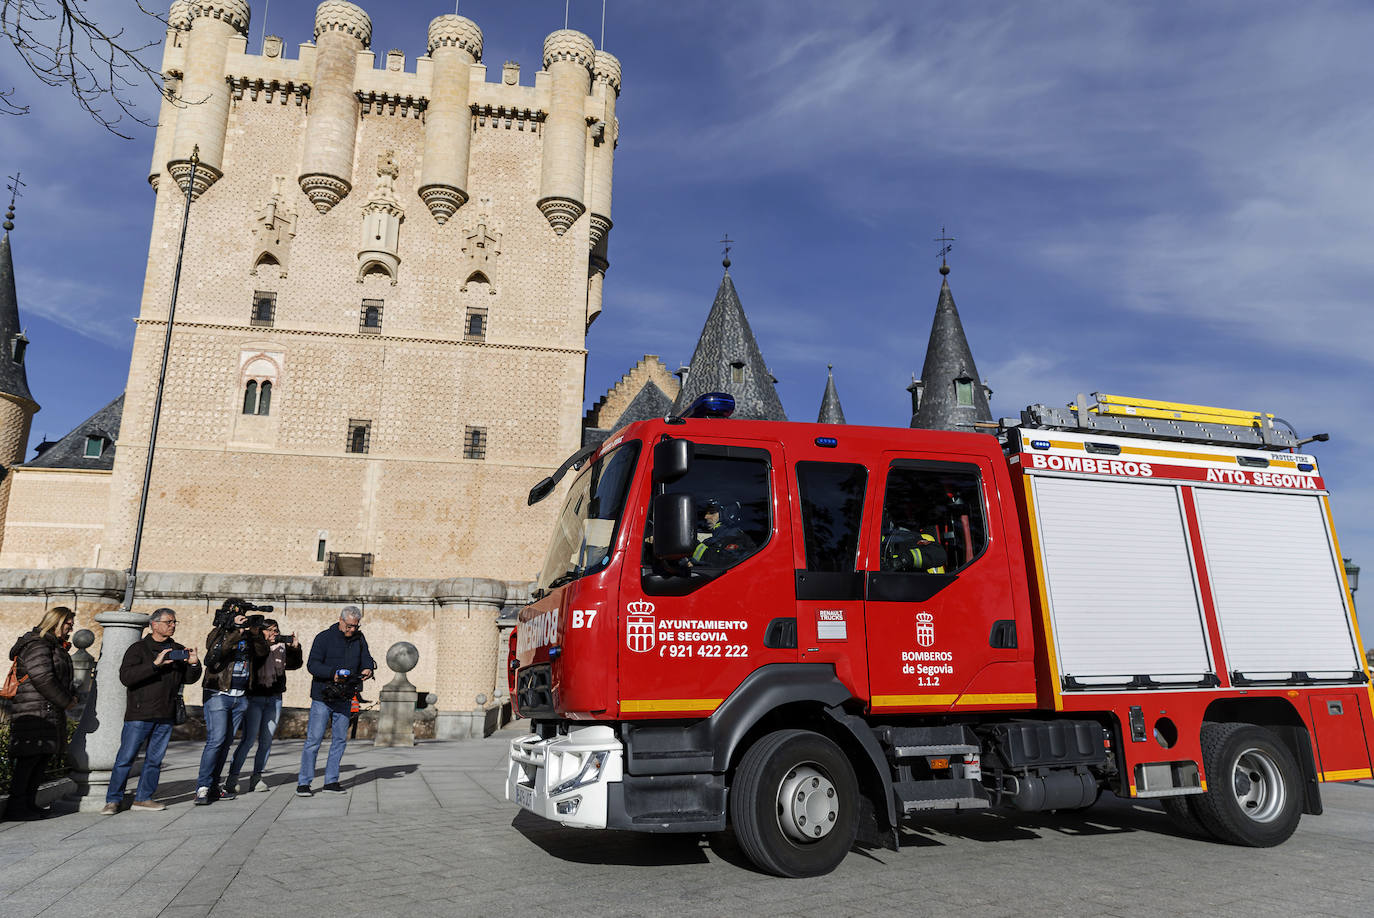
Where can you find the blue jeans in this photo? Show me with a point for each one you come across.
(321, 714)
(260, 727)
(156, 733)
(223, 714)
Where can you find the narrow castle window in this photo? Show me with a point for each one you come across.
(265, 398)
(264, 308)
(18, 344)
(95, 447)
(963, 391)
(371, 320)
(475, 443)
(476, 327)
(359, 435)
(250, 397)
(319, 550)
(737, 372)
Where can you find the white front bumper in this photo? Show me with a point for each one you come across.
(571, 772)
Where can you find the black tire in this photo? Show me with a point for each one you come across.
(794, 804)
(1183, 812)
(1254, 787)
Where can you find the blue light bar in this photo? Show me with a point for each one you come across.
(1040, 444)
(1305, 466)
(829, 442)
(711, 405)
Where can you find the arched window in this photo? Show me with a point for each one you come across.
(265, 398)
(250, 397)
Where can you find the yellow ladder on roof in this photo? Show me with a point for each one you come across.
(1176, 411)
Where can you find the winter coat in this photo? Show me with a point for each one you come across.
(332, 651)
(38, 714)
(219, 656)
(263, 684)
(153, 689)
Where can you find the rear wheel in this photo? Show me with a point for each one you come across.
(1254, 787)
(794, 804)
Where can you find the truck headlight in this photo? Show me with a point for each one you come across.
(590, 772)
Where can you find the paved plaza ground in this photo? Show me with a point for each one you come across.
(426, 831)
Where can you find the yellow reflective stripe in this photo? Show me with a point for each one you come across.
(1028, 482)
(893, 701)
(698, 551)
(1349, 774)
(670, 704)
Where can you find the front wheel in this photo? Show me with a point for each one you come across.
(794, 804)
(1254, 787)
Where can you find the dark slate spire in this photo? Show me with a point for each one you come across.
(13, 380)
(727, 359)
(831, 412)
(949, 395)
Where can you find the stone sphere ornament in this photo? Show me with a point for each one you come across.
(402, 657)
(83, 638)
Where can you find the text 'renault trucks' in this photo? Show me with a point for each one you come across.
(799, 630)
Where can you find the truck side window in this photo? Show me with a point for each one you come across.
(832, 503)
(932, 518)
(730, 490)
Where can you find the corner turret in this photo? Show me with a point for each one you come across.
(562, 188)
(455, 44)
(204, 119)
(341, 31)
(17, 406)
(949, 395)
(831, 412)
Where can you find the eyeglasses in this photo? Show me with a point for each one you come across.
(165, 621)
(349, 626)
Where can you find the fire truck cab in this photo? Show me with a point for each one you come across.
(802, 631)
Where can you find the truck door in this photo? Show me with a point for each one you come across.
(695, 629)
(941, 626)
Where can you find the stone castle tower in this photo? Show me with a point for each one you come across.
(388, 279)
(17, 406)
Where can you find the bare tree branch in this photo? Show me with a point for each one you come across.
(64, 45)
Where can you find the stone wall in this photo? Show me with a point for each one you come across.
(56, 517)
(453, 623)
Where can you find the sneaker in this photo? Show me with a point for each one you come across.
(110, 809)
(148, 806)
(226, 794)
(334, 787)
(231, 787)
(255, 782)
(303, 790)
(202, 796)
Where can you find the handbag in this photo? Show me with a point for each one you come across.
(179, 710)
(11, 686)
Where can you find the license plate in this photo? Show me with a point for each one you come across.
(524, 796)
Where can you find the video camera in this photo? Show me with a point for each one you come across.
(234, 607)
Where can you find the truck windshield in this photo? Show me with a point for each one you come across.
(587, 524)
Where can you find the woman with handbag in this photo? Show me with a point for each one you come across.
(39, 715)
(154, 669)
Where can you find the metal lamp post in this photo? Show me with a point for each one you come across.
(96, 742)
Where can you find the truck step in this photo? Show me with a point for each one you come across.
(915, 742)
(941, 794)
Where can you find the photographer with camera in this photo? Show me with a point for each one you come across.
(233, 649)
(264, 705)
(154, 670)
(339, 662)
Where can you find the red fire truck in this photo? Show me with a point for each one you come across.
(804, 631)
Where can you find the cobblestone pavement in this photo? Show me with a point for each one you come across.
(426, 831)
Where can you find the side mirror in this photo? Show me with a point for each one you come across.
(675, 533)
(672, 459)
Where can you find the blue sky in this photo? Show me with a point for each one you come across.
(1166, 200)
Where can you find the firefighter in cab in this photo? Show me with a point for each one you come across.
(724, 543)
(913, 550)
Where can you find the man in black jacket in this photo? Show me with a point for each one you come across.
(339, 662)
(154, 671)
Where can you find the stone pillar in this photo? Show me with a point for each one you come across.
(562, 192)
(96, 742)
(396, 718)
(466, 637)
(203, 119)
(455, 44)
(341, 31)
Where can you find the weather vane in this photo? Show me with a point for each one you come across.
(727, 242)
(15, 193)
(946, 246)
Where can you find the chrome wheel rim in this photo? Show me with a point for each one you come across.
(808, 806)
(1258, 785)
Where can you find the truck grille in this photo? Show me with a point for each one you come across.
(534, 691)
